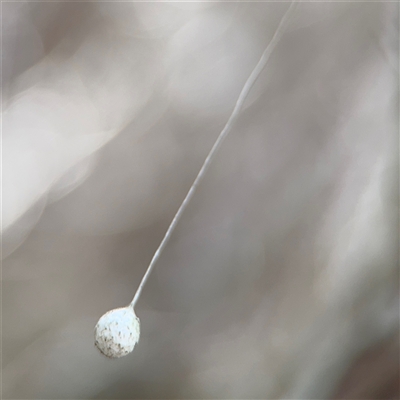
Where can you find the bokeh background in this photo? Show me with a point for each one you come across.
(282, 278)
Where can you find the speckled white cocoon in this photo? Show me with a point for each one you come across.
(117, 332)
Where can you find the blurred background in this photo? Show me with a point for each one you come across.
(282, 278)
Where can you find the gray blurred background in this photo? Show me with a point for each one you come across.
(282, 278)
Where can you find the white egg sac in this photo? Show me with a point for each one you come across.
(117, 332)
